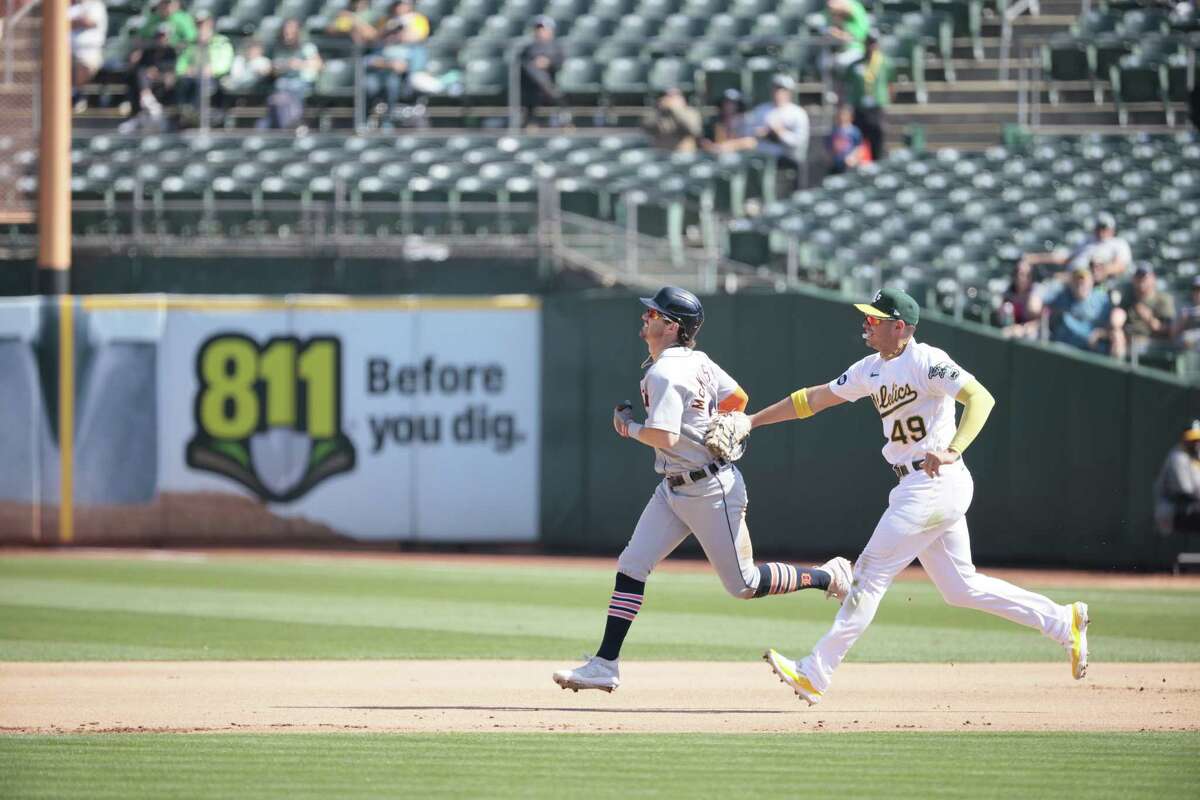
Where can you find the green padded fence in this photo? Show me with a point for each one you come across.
(1063, 471)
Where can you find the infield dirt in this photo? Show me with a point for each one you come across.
(507, 696)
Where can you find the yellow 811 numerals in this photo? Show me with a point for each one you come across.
(286, 383)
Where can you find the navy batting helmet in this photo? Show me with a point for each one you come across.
(678, 305)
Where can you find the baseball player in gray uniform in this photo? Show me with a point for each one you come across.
(913, 387)
(682, 391)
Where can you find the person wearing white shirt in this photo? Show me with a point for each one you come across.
(781, 126)
(89, 27)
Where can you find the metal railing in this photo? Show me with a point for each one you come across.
(142, 218)
(1011, 13)
(12, 18)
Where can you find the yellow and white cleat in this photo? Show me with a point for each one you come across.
(1078, 645)
(789, 672)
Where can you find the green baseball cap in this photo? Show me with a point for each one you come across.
(892, 304)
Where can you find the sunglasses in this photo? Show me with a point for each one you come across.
(875, 322)
(654, 313)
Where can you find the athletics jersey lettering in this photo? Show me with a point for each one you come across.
(890, 399)
(914, 395)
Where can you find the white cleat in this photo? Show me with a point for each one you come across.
(789, 672)
(841, 576)
(1077, 647)
(597, 673)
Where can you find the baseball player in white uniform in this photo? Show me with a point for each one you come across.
(683, 390)
(913, 387)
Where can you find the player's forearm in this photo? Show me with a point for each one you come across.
(778, 412)
(800, 404)
(977, 405)
(653, 437)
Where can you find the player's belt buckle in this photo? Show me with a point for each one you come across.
(697, 474)
(902, 470)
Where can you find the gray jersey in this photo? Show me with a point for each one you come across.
(681, 391)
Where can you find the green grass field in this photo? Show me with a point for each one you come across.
(61, 609)
(1118, 766)
(67, 609)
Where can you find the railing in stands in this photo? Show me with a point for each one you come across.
(12, 18)
(1011, 13)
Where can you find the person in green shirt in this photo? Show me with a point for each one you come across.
(849, 24)
(868, 90)
(168, 12)
(203, 62)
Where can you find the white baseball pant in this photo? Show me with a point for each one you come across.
(714, 509)
(926, 519)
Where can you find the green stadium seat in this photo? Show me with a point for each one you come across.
(334, 86)
(611, 49)
(657, 10)
(1065, 59)
(1137, 81)
(728, 27)
(718, 75)
(612, 9)
(666, 73)
(625, 82)
(476, 9)
(485, 83)
(579, 79)
(590, 26)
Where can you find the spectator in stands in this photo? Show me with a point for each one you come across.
(1177, 489)
(868, 89)
(729, 126)
(1082, 315)
(848, 23)
(1107, 254)
(780, 126)
(390, 67)
(295, 65)
(202, 64)
(672, 124)
(250, 70)
(354, 23)
(401, 15)
(540, 62)
(152, 80)
(845, 143)
(181, 26)
(1020, 312)
(1150, 313)
(1186, 329)
(89, 28)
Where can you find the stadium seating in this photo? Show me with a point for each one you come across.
(1143, 55)
(473, 37)
(948, 225)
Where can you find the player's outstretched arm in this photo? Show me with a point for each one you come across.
(977, 405)
(800, 404)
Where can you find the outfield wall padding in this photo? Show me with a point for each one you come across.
(1063, 470)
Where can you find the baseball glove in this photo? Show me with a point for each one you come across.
(726, 435)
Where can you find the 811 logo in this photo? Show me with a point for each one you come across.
(269, 416)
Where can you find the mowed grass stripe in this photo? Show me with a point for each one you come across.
(75, 609)
(582, 765)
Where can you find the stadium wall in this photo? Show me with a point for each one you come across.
(1063, 471)
(187, 419)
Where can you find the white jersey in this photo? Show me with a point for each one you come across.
(914, 395)
(681, 391)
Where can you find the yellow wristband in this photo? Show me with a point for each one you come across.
(800, 403)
